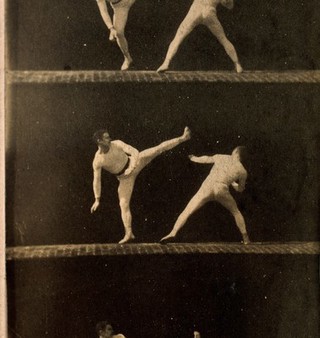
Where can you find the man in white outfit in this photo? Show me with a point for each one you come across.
(125, 162)
(117, 25)
(202, 12)
(226, 171)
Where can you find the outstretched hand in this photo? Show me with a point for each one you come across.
(95, 206)
(191, 157)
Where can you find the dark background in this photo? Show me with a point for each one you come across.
(59, 34)
(49, 171)
(222, 296)
(49, 175)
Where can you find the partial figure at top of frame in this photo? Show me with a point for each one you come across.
(201, 12)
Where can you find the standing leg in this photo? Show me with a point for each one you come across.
(216, 28)
(197, 201)
(146, 156)
(119, 21)
(224, 197)
(125, 192)
(188, 24)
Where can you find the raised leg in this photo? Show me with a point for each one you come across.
(119, 21)
(187, 25)
(229, 203)
(217, 30)
(125, 192)
(146, 156)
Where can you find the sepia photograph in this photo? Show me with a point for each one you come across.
(161, 168)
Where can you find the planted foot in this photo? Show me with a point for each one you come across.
(167, 239)
(127, 239)
(126, 64)
(246, 239)
(164, 67)
(238, 68)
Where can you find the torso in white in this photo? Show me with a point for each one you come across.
(226, 170)
(113, 161)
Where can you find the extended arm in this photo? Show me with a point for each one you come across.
(227, 3)
(240, 186)
(202, 159)
(132, 152)
(96, 187)
(105, 14)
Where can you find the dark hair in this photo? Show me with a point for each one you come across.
(98, 135)
(243, 153)
(101, 326)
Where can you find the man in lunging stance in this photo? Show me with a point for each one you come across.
(125, 162)
(202, 12)
(227, 170)
(117, 25)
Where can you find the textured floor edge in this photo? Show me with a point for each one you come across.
(78, 250)
(101, 76)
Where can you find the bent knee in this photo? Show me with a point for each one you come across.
(120, 34)
(182, 31)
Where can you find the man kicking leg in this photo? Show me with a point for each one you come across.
(125, 162)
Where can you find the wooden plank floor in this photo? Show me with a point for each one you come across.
(76, 250)
(100, 76)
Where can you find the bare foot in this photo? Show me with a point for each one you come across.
(246, 239)
(238, 68)
(126, 64)
(127, 239)
(167, 239)
(164, 67)
(186, 134)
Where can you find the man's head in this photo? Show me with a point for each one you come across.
(102, 138)
(104, 329)
(241, 153)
